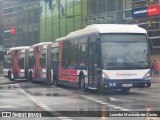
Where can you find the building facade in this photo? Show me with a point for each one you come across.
(27, 22)
(21, 22)
(1, 24)
(60, 17)
(145, 13)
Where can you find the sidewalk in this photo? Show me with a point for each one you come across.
(156, 77)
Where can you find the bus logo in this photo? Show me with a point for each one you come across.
(126, 74)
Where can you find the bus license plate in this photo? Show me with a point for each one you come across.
(126, 85)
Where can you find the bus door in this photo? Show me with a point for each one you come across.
(16, 69)
(40, 63)
(54, 61)
(92, 66)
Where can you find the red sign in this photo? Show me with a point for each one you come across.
(153, 10)
(12, 30)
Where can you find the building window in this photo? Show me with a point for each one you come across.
(111, 5)
(102, 6)
(92, 7)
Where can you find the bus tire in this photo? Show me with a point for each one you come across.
(82, 84)
(52, 82)
(30, 76)
(55, 80)
(99, 88)
(125, 90)
(9, 76)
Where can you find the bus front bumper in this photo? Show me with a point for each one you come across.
(125, 84)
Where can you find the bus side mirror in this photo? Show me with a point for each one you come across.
(150, 43)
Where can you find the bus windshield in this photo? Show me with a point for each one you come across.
(124, 51)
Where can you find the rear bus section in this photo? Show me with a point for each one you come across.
(16, 63)
(7, 64)
(39, 62)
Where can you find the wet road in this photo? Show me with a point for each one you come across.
(63, 102)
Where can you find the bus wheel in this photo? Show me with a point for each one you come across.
(9, 76)
(125, 90)
(99, 88)
(54, 80)
(30, 76)
(82, 84)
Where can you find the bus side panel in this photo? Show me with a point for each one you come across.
(7, 63)
(31, 63)
(39, 68)
(15, 68)
(26, 61)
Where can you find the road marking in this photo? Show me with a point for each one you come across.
(112, 99)
(115, 106)
(7, 106)
(111, 105)
(152, 118)
(155, 85)
(66, 119)
(43, 106)
(99, 101)
(63, 117)
(105, 103)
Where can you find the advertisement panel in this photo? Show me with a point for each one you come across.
(139, 12)
(146, 11)
(153, 10)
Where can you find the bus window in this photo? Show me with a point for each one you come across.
(65, 54)
(43, 60)
(55, 57)
(73, 52)
(31, 60)
(21, 61)
(82, 55)
(7, 61)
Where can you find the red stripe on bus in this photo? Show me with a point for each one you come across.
(60, 43)
(72, 72)
(68, 78)
(63, 71)
(63, 77)
(72, 78)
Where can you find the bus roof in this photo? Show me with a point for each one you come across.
(106, 28)
(60, 39)
(42, 43)
(21, 47)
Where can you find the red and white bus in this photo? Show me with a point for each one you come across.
(40, 62)
(15, 65)
(103, 56)
(100, 56)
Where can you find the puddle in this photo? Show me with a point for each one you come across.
(9, 87)
(46, 94)
(138, 106)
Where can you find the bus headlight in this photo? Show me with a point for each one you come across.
(104, 76)
(147, 75)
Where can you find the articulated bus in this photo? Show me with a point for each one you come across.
(15, 65)
(40, 63)
(103, 56)
(98, 57)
